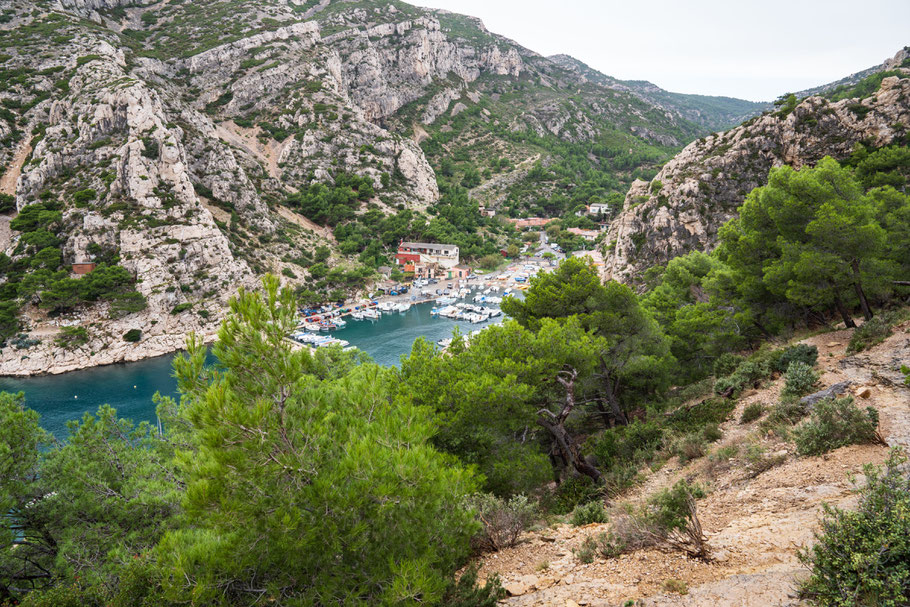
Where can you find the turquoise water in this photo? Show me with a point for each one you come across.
(129, 387)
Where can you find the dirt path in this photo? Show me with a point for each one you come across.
(302, 221)
(11, 176)
(268, 154)
(755, 526)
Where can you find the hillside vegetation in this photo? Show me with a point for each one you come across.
(318, 479)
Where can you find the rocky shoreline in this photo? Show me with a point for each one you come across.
(106, 345)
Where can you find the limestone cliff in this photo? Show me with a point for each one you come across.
(681, 209)
(170, 134)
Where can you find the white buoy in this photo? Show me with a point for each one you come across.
(76, 396)
(134, 387)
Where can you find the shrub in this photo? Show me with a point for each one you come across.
(181, 308)
(874, 331)
(672, 514)
(573, 491)
(133, 335)
(668, 519)
(748, 374)
(71, 337)
(783, 415)
(906, 371)
(800, 352)
(799, 380)
(676, 586)
(585, 514)
(862, 557)
(726, 364)
(502, 520)
(466, 593)
(751, 413)
(836, 423)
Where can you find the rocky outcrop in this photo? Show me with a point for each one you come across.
(683, 207)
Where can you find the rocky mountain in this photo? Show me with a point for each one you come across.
(709, 111)
(683, 206)
(198, 144)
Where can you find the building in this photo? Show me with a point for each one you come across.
(586, 234)
(529, 222)
(427, 259)
(83, 267)
(599, 209)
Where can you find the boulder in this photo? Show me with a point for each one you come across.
(829, 392)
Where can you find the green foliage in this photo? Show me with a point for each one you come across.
(183, 307)
(862, 556)
(864, 88)
(748, 374)
(812, 238)
(466, 593)
(71, 338)
(751, 413)
(875, 331)
(573, 492)
(803, 353)
(586, 514)
(726, 364)
(133, 335)
(799, 380)
(335, 203)
(836, 423)
(79, 510)
(7, 203)
(331, 480)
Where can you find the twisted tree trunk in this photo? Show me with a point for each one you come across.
(555, 424)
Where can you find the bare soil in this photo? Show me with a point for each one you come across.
(756, 523)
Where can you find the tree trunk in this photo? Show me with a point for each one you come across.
(618, 416)
(857, 284)
(843, 312)
(555, 425)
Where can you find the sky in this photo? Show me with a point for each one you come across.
(738, 48)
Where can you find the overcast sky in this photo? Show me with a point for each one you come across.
(740, 48)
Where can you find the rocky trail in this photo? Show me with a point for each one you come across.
(9, 178)
(756, 521)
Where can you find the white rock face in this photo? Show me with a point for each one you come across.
(697, 191)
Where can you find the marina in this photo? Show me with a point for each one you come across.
(385, 335)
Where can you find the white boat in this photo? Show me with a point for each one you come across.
(371, 314)
(357, 315)
(444, 343)
(311, 326)
(402, 307)
(339, 323)
(387, 306)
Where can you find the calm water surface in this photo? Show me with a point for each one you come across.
(129, 387)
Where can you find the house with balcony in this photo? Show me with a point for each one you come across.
(428, 259)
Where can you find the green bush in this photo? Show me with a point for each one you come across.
(71, 337)
(803, 353)
(782, 415)
(835, 423)
(875, 331)
(181, 308)
(585, 514)
(133, 335)
(799, 380)
(862, 556)
(7, 203)
(502, 520)
(726, 364)
(751, 413)
(466, 593)
(747, 375)
(573, 491)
